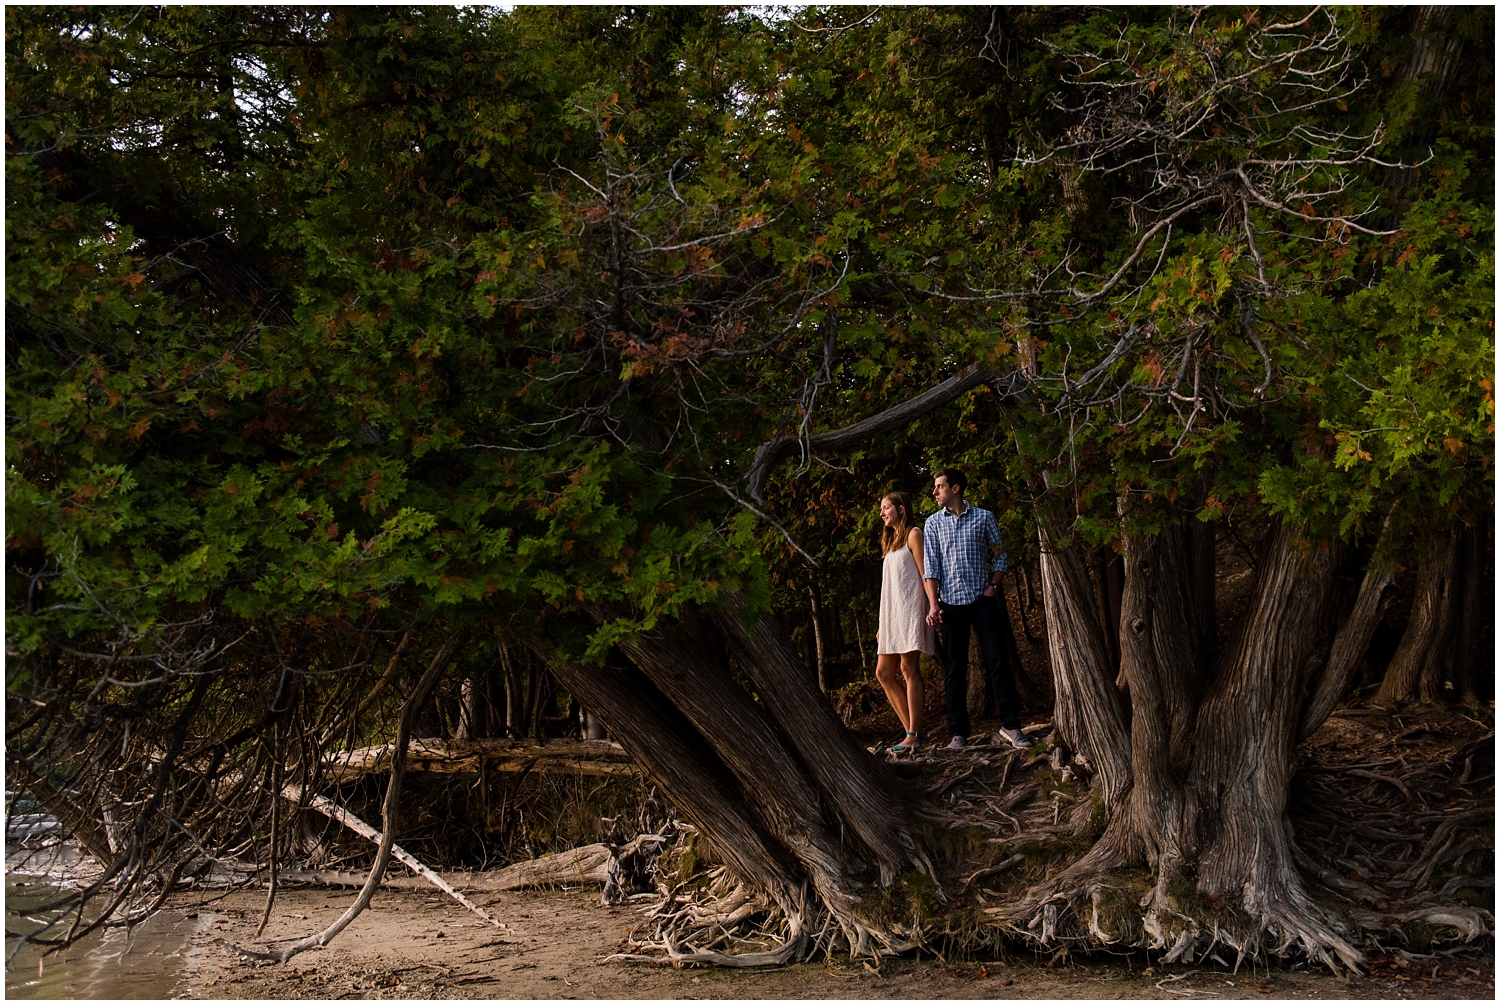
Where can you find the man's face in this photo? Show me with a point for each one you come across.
(942, 492)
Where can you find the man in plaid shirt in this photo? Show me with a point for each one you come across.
(961, 582)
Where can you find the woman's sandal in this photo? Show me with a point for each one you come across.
(907, 746)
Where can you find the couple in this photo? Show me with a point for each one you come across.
(942, 576)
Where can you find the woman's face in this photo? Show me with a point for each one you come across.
(888, 512)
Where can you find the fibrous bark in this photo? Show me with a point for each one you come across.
(1243, 758)
(1416, 671)
(1160, 659)
(1089, 713)
(862, 795)
(1351, 643)
(671, 751)
(1206, 781)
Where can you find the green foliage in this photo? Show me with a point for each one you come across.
(527, 289)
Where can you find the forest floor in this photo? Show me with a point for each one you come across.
(412, 945)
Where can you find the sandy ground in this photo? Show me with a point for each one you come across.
(411, 945)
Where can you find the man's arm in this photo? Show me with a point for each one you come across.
(932, 562)
(997, 553)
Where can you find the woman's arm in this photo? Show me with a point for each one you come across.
(914, 543)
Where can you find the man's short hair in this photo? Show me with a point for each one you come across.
(956, 479)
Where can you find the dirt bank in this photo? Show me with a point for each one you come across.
(411, 945)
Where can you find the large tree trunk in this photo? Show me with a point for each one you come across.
(1243, 757)
(678, 758)
(818, 797)
(1206, 783)
(1416, 671)
(690, 668)
(1160, 659)
(855, 785)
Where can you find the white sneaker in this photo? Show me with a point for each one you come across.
(1015, 738)
(957, 743)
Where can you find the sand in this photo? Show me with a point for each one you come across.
(413, 945)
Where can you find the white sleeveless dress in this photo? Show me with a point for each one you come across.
(903, 607)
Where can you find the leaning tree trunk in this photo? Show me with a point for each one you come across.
(1416, 671)
(690, 668)
(1352, 641)
(855, 785)
(1089, 714)
(675, 756)
(803, 791)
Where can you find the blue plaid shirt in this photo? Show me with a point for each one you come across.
(956, 550)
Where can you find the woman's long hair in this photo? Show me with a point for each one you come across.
(895, 535)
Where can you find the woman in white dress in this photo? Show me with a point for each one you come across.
(904, 632)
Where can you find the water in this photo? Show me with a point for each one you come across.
(38, 869)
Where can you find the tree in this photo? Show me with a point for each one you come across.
(463, 328)
(1218, 139)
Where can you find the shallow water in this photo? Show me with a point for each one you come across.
(98, 966)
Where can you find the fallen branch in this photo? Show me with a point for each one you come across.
(332, 811)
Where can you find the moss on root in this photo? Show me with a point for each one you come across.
(911, 901)
(687, 859)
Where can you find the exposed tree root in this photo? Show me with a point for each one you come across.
(1024, 842)
(1383, 847)
(713, 918)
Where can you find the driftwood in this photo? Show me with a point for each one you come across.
(588, 864)
(591, 863)
(584, 757)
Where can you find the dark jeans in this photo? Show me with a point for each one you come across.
(983, 615)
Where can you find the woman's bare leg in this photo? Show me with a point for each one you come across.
(916, 694)
(888, 672)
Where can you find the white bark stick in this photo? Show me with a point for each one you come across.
(337, 813)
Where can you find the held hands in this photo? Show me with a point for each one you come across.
(935, 617)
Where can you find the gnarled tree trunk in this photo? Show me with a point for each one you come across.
(1243, 758)
(676, 757)
(1202, 774)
